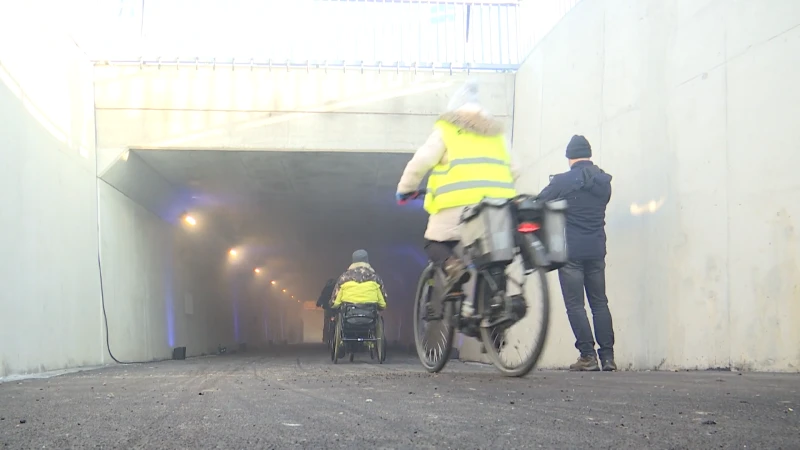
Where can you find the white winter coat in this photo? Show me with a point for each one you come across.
(443, 226)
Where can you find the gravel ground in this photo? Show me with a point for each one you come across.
(296, 398)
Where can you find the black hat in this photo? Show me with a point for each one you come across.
(578, 147)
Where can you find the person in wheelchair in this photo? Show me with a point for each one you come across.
(360, 284)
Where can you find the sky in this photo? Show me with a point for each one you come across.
(317, 30)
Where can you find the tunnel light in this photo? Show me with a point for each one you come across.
(273, 282)
(293, 296)
(257, 270)
(190, 220)
(233, 252)
(284, 290)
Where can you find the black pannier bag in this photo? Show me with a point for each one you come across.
(487, 232)
(553, 233)
(552, 221)
(360, 315)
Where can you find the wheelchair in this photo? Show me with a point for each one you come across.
(359, 328)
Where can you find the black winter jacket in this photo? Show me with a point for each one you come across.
(587, 190)
(324, 300)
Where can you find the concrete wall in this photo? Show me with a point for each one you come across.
(164, 284)
(263, 109)
(190, 259)
(312, 325)
(50, 303)
(691, 105)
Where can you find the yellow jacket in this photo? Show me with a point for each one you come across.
(360, 284)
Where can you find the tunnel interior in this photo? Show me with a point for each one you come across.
(697, 261)
(251, 218)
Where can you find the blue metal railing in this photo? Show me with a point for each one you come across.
(359, 34)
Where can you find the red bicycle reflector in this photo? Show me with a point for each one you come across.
(528, 227)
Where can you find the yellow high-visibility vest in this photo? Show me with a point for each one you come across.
(478, 166)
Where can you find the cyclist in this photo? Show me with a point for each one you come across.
(324, 302)
(360, 284)
(468, 159)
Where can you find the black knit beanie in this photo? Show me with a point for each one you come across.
(578, 147)
(360, 256)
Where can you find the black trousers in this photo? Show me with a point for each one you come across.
(590, 276)
(439, 251)
(326, 318)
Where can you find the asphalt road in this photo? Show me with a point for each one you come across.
(298, 399)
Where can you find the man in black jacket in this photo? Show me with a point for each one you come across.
(587, 190)
(324, 302)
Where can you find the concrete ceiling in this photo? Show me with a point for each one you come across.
(300, 215)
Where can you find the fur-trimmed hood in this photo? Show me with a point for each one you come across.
(474, 120)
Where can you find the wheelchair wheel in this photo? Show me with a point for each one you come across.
(337, 343)
(380, 344)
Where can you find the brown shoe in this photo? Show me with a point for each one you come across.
(456, 274)
(585, 364)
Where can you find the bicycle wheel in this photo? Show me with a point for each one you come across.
(337, 343)
(329, 336)
(329, 342)
(504, 343)
(433, 336)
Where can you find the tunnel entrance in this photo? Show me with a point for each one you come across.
(269, 229)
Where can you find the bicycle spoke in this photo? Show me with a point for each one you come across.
(433, 333)
(505, 342)
(519, 284)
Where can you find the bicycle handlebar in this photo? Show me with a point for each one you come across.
(405, 198)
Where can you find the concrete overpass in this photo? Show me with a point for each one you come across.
(690, 106)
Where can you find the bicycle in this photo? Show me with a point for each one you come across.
(330, 329)
(494, 233)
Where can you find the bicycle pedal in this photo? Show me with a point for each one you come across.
(430, 314)
(454, 296)
(468, 329)
(485, 323)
